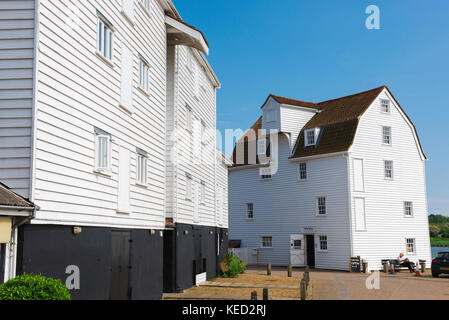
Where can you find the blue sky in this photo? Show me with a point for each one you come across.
(321, 49)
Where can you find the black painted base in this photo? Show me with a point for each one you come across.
(191, 250)
(49, 249)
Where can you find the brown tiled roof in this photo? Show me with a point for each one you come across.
(247, 143)
(10, 199)
(338, 120)
(291, 102)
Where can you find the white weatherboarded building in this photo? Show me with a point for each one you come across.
(350, 182)
(94, 97)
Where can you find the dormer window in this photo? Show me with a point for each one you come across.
(311, 136)
(270, 116)
(385, 106)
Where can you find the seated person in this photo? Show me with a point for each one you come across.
(404, 262)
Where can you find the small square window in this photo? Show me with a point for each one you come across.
(408, 208)
(267, 242)
(250, 211)
(310, 137)
(388, 169)
(386, 135)
(303, 171)
(385, 106)
(410, 245)
(321, 204)
(323, 243)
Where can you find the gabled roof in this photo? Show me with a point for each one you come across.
(291, 102)
(9, 198)
(338, 120)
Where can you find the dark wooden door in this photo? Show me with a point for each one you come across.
(120, 265)
(310, 243)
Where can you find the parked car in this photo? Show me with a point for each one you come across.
(440, 264)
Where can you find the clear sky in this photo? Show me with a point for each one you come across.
(316, 50)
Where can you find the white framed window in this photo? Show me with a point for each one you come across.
(267, 242)
(189, 119)
(322, 243)
(203, 192)
(265, 177)
(188, 186)
(146, 4)
(385, 106)
(102, 151)
(250, 210)
(408, 208)
(105, 37)
(388, 169)
(302, 171)
(144, 74)
(311, 136)
(261, 146)
(386, 135)
(321, 206)
(410, 245)
(141, 167)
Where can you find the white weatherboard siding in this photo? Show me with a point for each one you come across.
(293, 119)
(271, 115)
(386, 226)
(17, 24)
(77, 91)
(221, 193)
(283, 206)
(188, 152)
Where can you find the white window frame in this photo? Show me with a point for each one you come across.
(105, 45)
(316, 133)
(269, 239)
(386, 176)
(386, 136)
(322, 238)
(410, 244)
(97, 167)
(141, 169)
(144, 75)
(318, 206)
(249, 208)
(146, 5)
(189, 187)
(408, 208)
(385, 103)
(300, 171)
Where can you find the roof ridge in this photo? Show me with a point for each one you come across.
(354, 94)
(277, 96)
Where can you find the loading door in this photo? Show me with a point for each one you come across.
(120, 265)
(297, 250)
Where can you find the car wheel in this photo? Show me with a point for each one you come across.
(435, 275)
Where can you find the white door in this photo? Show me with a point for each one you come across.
(297, 250)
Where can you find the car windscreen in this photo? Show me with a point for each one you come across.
(444, 255)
